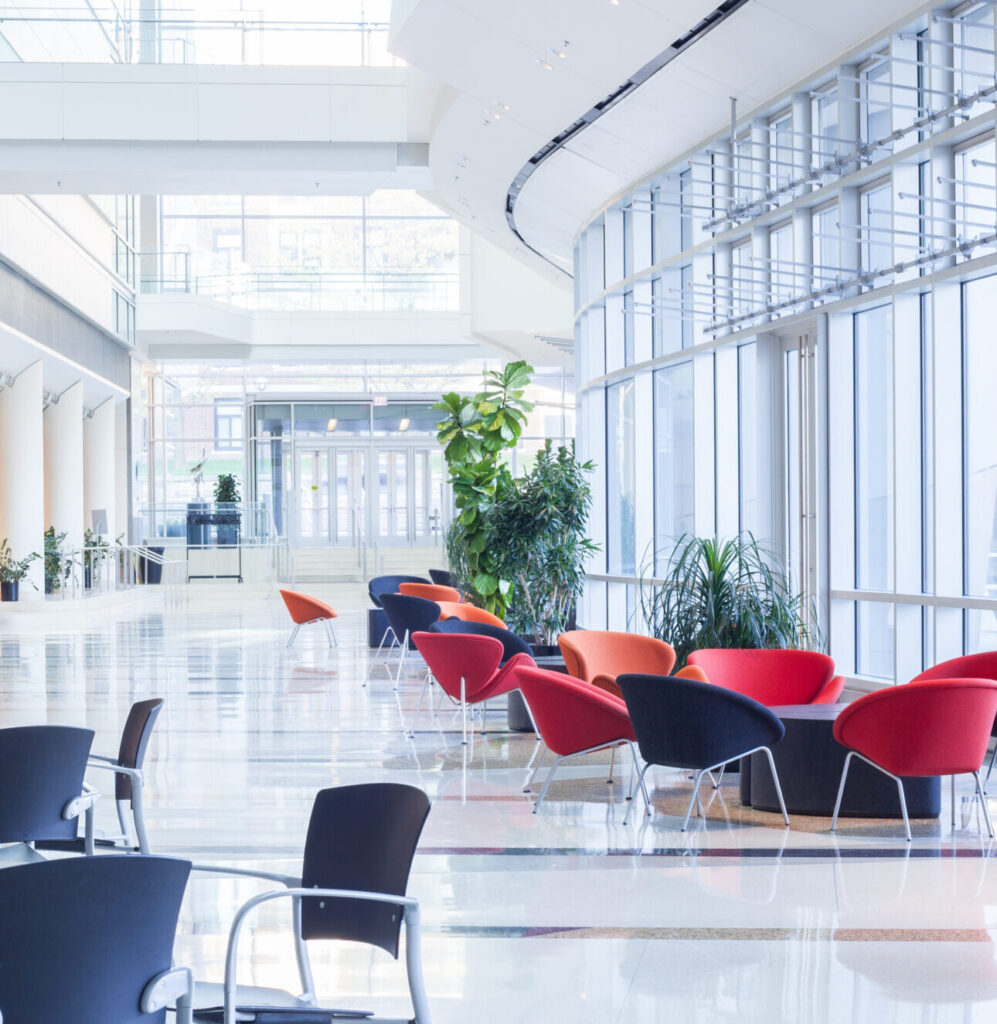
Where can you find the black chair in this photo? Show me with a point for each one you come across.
(389, 585)
(127, 766)
(682, 723)
(358, 855)
(406, 615)
(91, 939)
(42, 792)
(511, 644)
(378, 630)
(443, 577)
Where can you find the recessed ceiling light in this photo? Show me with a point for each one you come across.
(546, 65)
(332, 424)
(500, 104)
(615, 3)
(404, 423)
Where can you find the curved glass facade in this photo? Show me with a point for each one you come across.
(791, 332)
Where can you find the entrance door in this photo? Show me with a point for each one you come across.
(349, 506)
(312, 490)
(393, 496)
(801, 467)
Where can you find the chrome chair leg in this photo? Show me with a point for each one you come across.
(775, 780)
(697, 777)
(401, 660)
(547, 782)
(903, 807)
(990, 767)
(612, 762)
(377, 654)
(640, 784)
(541, 749)
(294, 633)
(983, 803)
(333, 639)
(841, 788)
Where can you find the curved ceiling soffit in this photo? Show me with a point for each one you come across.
(638, 78)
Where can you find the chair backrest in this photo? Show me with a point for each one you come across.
(969, 666)
(684, 723)
(413, 614)
(84, 935)
(511, 644)
(134, 740)
(589, 653)
(363, 838)
(772, 677)
(305, 608)
(441, 576)
(41, 770)
(389, 585)
(468, 612)
(456, 656)
(430, 591)
(932, 727)
(570, 715)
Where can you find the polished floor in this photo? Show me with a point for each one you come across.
(567, 915)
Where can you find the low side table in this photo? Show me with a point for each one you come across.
(810, 760)
(518, 717)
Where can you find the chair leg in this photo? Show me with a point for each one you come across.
(903, 807)
(775, 781)
(138, 813)
(463, 712)
(401, 660)
(126, 828)
(990, 768)
(543, 792)
(952, 797)
(640, 784)
(540, 748)
(612, 761)
(301, 954)
(294, 633)
(697, 777)
(333, 640)
(377, 654)
(983, 804)
(841, 788)
(413, 965)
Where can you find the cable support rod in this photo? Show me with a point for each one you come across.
(964, 21)
(870, 229)
(914, 62)
(952, 44)
(937, 216)
(842, 161)
(896, 85)
(949, 202)
(965, 182)
(982, 163)
(652, 203)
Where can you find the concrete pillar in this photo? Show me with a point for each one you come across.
(64, 465)
(122, 479)
(22, 477)
(98, 465)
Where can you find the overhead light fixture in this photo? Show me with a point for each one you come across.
(332, 424)
(560, 54)
(404, 423)
(500, 104)
(546, 65)
(615, 3)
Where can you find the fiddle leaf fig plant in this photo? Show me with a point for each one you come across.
(13, 570)
(476, 430)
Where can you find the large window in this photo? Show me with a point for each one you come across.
(674, 463)
(621, 542)
(749, 509)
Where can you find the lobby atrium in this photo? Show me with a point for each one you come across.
(325, 328)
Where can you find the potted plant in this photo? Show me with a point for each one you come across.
(12, 571)
(95, 550)
(724, 593)
(55, 571)
(227, 499)
(539, 526)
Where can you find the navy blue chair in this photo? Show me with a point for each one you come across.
(511, 644)
(683, 723)
(42, 792)
(378, 631)
(442, 577)
(380, 585)
(358, 855)
(91, 939)
(406, 615)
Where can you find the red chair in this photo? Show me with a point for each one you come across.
(969, 666)
(304, 609)
(466, 665)
(938, 727)
(772, 677)
(573, 718)
(598, 656)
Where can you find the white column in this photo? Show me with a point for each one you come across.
(64, 465)
(22, 478)
(98, 465)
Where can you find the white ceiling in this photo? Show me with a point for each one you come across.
(487, 52)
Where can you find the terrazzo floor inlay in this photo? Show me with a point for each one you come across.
(566, 915)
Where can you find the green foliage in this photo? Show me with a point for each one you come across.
(13, 570)
(538, 526)
(724, 593)
(475, 431)
(55, 571)
(226, 489)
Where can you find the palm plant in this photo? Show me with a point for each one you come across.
(724, 593)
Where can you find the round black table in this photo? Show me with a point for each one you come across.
(809, 761)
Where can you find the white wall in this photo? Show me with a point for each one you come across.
(64, 465)
(98, 466)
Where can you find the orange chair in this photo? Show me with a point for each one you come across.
(468, 613)
(598, 656)
(304, 609)
(430, 591)
(772, 677)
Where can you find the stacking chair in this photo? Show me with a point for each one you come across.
(430, 591)
(931, 727)
(598, 656)
(468, 612)
(42, 792)
(443, 577)
(772, 677)
(572, 718)
(358, 854)
(683, 723)
(304, 610)
(466, 666)
(406, 615)
(90, 939)
(378, 630)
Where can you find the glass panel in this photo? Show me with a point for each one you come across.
(747, 425)
(398, 420)
(874, 449)
(392, 503)
(350, 499)
(331, 419)
(674, 465)
(272, 420)
(792, 474)
(620, 478)
(875, 627)
(313, 495)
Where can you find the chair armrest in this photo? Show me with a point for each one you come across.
(84, 802)
(831, 691)
(173, 986)
(290, 881)
(101, 757)
(113, 766)
(607, 683)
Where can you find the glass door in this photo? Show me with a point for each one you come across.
(312, 490)
(427, 495)
(349, 506)
(393, 496)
